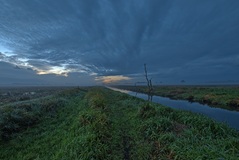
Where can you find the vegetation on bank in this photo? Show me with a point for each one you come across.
(16, 94)
(217, 96)
(19, 116)
(98, 123)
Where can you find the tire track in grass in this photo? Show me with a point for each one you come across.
(126, 146)
(122, 131)
(124, 115)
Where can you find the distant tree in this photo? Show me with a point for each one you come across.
(182, 81)
(149, 82)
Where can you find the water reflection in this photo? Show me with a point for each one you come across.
(120, 90)
(218, 114)
(150, 97)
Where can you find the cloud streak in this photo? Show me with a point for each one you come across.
(177, 39)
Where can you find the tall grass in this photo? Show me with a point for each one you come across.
(19, 116)
(101, 124)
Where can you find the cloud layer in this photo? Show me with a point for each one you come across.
(192, 40)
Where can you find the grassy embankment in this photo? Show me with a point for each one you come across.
(102, 124)
(217, 96)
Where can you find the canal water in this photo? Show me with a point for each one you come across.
(221, 115)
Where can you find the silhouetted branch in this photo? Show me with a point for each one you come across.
(149, 82)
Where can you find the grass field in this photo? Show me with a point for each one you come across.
(16, 94)
(97, 123)
(226, 97)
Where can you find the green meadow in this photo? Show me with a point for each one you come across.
(97, 123)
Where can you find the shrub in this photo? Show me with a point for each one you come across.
(233, 103)
(24, 98)
(147, 111)
(152, 128)
(96, 99)
(190, 98)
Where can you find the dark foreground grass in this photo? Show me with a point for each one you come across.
(101, 124)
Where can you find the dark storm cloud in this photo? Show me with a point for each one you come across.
(195, 40)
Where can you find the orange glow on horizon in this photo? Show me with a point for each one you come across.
(112, 79)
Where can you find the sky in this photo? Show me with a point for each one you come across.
(95, 42)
